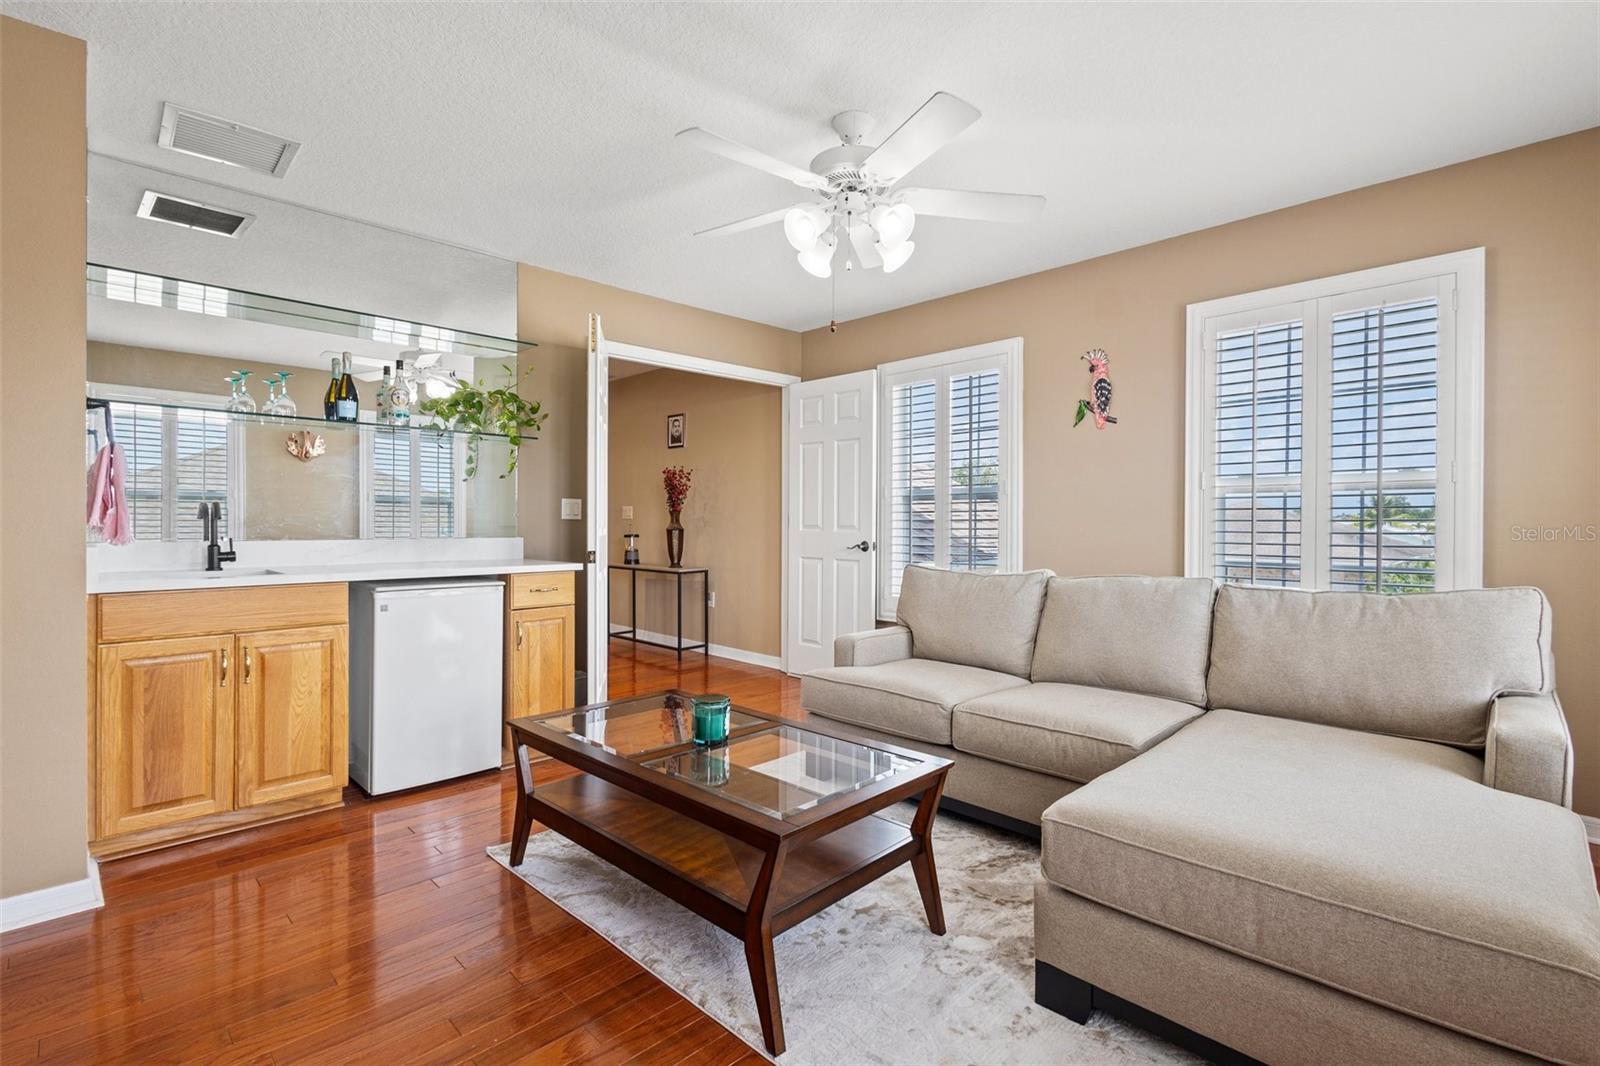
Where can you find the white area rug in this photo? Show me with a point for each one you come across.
(864, 981)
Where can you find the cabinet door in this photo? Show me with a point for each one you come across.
(164, 732)
(540, 651)
(293, 713)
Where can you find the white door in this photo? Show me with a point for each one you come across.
(599, 588)
(832, 466)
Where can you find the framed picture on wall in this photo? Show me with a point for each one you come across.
(675, 431)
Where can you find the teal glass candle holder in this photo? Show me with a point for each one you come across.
(711, 715)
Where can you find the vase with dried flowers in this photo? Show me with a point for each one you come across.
(675, 479)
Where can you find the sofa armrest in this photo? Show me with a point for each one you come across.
(872, 647)
(1529, 751)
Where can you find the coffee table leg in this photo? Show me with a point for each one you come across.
(922, 862)
(758, 951)
(523, 824)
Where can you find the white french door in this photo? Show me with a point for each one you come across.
(831, 472)
(599, 588)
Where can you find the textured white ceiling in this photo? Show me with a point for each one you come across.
(543, 132)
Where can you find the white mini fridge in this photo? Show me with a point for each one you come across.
(425, 673)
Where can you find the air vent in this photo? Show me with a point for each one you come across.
(221, 141)
(192, 214)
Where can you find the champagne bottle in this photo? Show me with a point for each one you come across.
(348, 403)
(330, 399)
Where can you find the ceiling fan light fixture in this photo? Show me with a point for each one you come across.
(895, 258)
(818, 260)
(804, 226)
(893, 224)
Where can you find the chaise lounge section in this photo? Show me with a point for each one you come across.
(1347, 839)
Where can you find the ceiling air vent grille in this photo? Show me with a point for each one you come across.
(221, 141)
(191, 214)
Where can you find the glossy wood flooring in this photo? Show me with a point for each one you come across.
(377, 933)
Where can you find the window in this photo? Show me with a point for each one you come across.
(175, 460)
(412, 483)
(951, 454)
(1335, 431)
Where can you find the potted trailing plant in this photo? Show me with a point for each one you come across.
(675, 479)
(479, 409)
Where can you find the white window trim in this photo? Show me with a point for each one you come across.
(1006, 355)
(1461, 289)
(168, 397)
(461, 496)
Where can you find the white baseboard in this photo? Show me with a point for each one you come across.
(721, 651)
(1593, 826)
(58, 901)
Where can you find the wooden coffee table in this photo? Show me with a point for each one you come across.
(755, 835)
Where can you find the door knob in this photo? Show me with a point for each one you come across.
(862, 547)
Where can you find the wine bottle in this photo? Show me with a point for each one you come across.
(330, 399)
(348, 402)
(386, 398)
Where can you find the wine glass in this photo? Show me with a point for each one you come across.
(286, 404)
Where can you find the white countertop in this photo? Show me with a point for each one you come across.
(235, 575)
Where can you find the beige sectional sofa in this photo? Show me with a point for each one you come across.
(1280, 825)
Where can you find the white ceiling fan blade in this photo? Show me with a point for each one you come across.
(754, 221)
(980, 206)
(740, 153)
(933, 125)
(862, 239)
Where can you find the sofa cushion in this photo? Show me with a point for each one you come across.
(908, 698)
(1070, 731)
(1377, 865)
(1425, 665)
(1137, 634)
(983, 620)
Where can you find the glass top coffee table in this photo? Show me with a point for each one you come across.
(755, 834)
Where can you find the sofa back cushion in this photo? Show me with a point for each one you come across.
(1135, 634)
(983, 620)
(1425, 665)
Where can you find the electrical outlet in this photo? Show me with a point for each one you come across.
(627, 512)
(572, 510)
(711, 599)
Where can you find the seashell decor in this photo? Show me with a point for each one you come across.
(306, 445)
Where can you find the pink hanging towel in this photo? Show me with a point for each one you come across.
(107, 505)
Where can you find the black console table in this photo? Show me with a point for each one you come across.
(632, 632)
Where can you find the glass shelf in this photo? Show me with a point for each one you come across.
(292, 422)
(129, 286)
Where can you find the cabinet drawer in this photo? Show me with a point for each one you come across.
(542, 590)
(201, 612)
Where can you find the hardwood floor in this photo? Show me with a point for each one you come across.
(376, 933)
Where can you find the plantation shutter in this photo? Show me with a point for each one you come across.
(199, 469)
(1259, 405)
(139, 433)
(390, 495)
(973, 467)
(1384, 448)
(912, 477)
(949, 438)
(436, 482)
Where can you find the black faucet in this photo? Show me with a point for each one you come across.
(211, 525)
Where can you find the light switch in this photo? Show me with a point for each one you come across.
(627, 512)
(572, 510)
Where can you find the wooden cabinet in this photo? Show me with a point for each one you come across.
(292, 705)
(241, 719)
(541, 646)
(164, 733)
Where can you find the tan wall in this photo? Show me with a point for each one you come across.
(286, 498)
(43, 730)
(732, 519)
(1106, 502)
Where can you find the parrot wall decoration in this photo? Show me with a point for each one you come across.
(1100, 386)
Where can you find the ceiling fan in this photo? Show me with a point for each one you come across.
(426, 370)
(859, 199)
